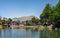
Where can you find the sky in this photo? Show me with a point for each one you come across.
(20, 8)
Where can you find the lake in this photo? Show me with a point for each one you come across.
(23, 33)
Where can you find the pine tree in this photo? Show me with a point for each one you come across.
(56, 14)
(46, 13)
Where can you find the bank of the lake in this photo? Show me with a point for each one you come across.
(38, 27)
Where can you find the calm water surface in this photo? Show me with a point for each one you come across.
(23, 33)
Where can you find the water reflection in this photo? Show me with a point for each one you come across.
(6, 33)
(0, 34)
(23, 33)
(49, 34)
(43, 34)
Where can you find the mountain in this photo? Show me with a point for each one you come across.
(21, 19)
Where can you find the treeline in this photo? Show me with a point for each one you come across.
(5, 22)
(33, 21)
(51, 14)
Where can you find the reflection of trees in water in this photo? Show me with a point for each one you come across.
(7, 33)
(43, 34)
(49, 34)
(54, 34)
(0, 33)
(35, 34)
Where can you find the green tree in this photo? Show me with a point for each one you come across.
(3, 22)
(9, 21)
(27, 23)
(0, 20)
(45, 16)
(18, 22)
(51, 13)
(56, 14)
(35, 20)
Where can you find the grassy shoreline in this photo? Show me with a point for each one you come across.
(34, 27)
(38, 27)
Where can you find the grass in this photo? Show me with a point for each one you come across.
(45, 28)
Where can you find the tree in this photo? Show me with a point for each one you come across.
(0, 21)
(3, 22)
(35, 20)
(52, 14)
(18, 22)
(9, 21)
(56, 14)
(45, 16)
(27, 23)
(0, 17)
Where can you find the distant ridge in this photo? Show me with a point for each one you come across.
(24, 18)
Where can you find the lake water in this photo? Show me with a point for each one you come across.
(23, 33)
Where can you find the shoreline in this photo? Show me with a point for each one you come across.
(38, 27)
(33, 27)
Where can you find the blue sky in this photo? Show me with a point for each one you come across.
(19, 8)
